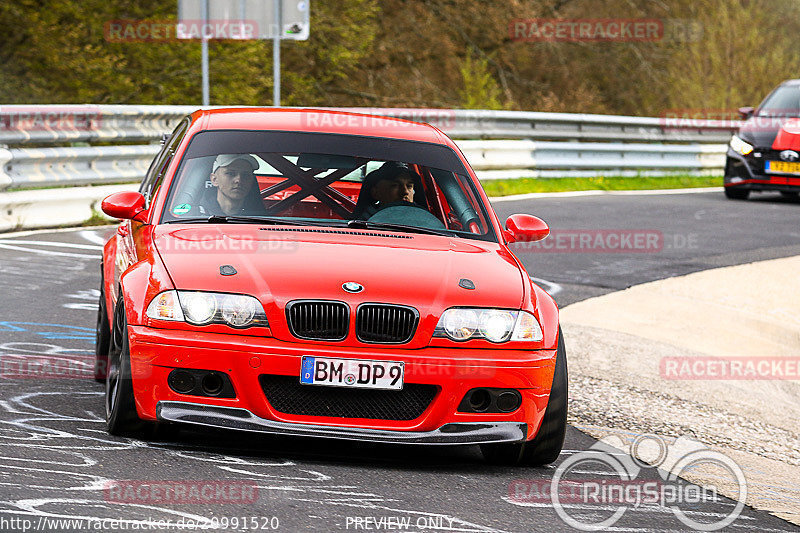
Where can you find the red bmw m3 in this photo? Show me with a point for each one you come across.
(326, 274)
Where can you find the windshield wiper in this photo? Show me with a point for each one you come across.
(236, 219)
(397, 227)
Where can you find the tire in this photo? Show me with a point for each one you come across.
(102, 339)
(546, 445)
(121, 417)
(734, 193)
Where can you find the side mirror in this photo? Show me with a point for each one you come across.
(126, 205)
(746, 112)
(525, 228)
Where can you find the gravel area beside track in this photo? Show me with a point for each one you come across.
(617, 345)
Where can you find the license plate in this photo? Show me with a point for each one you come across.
(354, 373)
(783, 167)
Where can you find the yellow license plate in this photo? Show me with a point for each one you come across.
(783, 167)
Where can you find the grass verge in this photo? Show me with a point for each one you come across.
(605, 183)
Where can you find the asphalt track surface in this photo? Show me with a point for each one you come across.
(56, 458)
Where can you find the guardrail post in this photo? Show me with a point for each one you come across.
(5, 179)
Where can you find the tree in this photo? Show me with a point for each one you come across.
(480, 88)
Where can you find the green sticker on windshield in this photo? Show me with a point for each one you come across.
(182, 209)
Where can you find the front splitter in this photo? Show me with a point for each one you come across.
(243, 420)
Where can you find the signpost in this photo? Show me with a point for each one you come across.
(243, 20)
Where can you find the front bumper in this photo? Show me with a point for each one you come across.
(748, 173)
(244, 420)
(454, 371)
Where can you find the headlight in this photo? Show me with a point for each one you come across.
(495, 325)
(739, 146)
(201, 308)
(239, 311)
(459, 324)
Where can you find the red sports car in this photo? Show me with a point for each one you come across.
(326, 274)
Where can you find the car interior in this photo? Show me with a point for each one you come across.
(325, 186)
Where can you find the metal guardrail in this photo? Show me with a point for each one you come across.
(38, 124)
(92, 165)
(518, 159)
(23, 125)
(537, 144)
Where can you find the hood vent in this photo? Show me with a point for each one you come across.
(339, 232)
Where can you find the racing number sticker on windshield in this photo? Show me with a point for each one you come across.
(356, 373)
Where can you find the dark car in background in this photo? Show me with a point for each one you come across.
(764, 155)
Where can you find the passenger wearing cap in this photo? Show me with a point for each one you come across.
(234, 187)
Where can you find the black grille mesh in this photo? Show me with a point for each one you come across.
(286, 395)
(385, 323)
(318, 320)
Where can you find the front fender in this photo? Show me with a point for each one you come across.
(548, 316)
(140, 283)
(109, 270)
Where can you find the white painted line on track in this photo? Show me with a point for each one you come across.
(43, 231)
(54, 244)
(695, 190)
(595, 192)
(47, 252)
(550, 287)
(91, 236)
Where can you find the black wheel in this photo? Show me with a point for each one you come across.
(734, 193)
(102, 339)
(790, 194)
(547, 444)
(121, 417)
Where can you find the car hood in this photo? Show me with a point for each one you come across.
(278, 264)
(777, 133)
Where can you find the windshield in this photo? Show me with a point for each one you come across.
(784, 102)
(326, 179)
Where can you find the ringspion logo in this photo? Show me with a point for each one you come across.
(608, 483)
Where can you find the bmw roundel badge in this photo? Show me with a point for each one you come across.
(352, 286)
